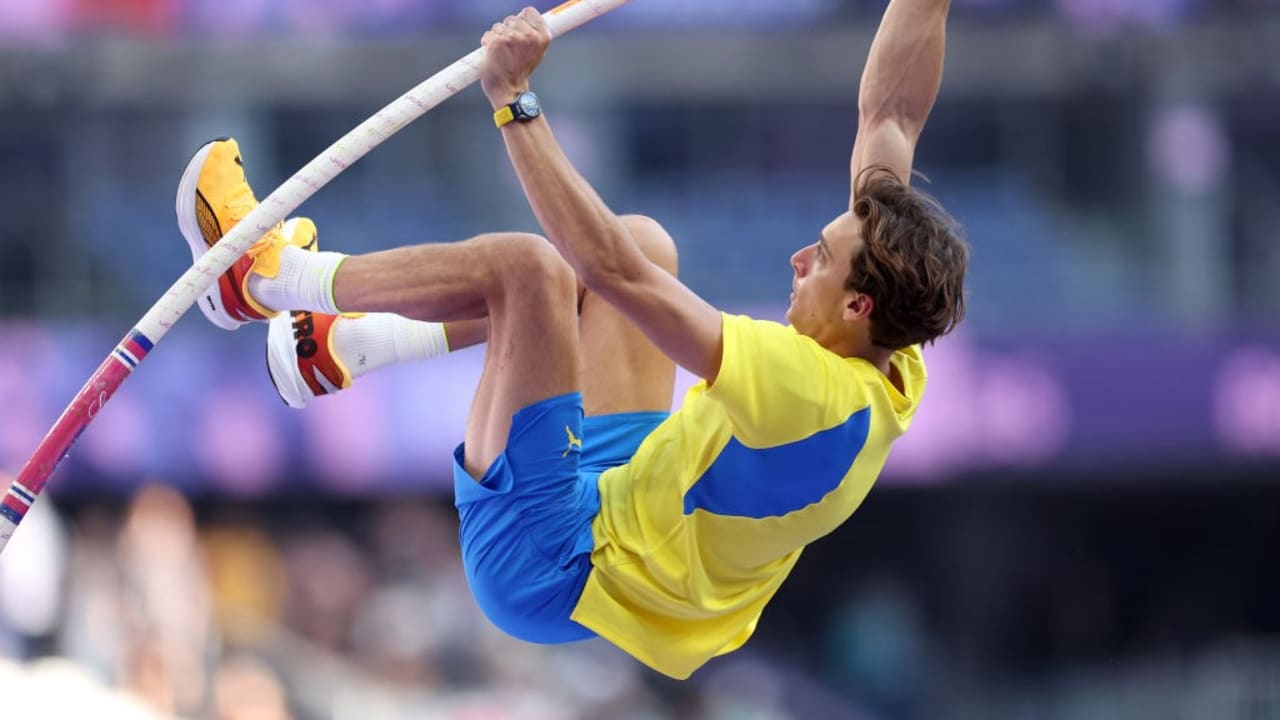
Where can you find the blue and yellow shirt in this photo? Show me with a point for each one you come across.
(698, 531)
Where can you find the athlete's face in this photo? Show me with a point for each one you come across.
(821, 307)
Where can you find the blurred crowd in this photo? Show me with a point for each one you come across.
(148, 612)
(958, 608)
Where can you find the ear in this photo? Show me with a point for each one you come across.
(857, 306)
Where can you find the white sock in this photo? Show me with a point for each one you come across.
(365, 343)
(305, 282)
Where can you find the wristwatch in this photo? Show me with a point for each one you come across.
(525, 108)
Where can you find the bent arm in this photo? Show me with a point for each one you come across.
(606, 258)
(899, 85)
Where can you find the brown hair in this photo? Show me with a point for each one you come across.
(912, 262)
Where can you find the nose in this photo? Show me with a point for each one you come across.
(800, 260)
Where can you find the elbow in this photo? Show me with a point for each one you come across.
(613, 266)
(903, 114)
(629, 250)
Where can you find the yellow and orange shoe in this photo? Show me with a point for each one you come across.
(300, 357)
(213, 196)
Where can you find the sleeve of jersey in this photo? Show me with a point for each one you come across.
(779, 386)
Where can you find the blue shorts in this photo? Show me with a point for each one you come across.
(526, 526)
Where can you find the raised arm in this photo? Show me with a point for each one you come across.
(899, 85)
(585, 231)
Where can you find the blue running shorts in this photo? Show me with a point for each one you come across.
(525, 527)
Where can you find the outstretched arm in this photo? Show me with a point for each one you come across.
(899, 85)
(585, 231)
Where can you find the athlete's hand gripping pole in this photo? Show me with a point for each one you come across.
(275, 207)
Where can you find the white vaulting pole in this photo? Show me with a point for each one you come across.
(277, 206)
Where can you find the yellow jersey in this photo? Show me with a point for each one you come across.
(697, 532)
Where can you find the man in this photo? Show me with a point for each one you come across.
(666, 535)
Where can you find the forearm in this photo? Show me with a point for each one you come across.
(575, 219)
(904, 69)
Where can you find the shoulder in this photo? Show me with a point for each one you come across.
(766, 344)
(778, 361)
(747, 330)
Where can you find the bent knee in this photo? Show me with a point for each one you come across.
(654, 241)
(526, 261)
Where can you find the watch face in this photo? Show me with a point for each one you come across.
(529, 104)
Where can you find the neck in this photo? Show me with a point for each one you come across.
(864, 349)
(880, 357)
(877, 356)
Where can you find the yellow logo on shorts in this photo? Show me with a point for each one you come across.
(573, 442)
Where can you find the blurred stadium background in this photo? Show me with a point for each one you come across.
(1084, 523)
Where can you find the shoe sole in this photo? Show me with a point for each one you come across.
(282, 362)
(210, 301)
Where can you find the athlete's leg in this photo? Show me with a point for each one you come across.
(525, 510)
(466, 333)
(621, 370)
(524, 288)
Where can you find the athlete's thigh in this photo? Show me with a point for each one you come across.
(532, 353)
(621, 370)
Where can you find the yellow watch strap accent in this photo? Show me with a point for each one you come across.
(503, 115)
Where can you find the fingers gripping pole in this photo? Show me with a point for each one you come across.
(274, 208)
